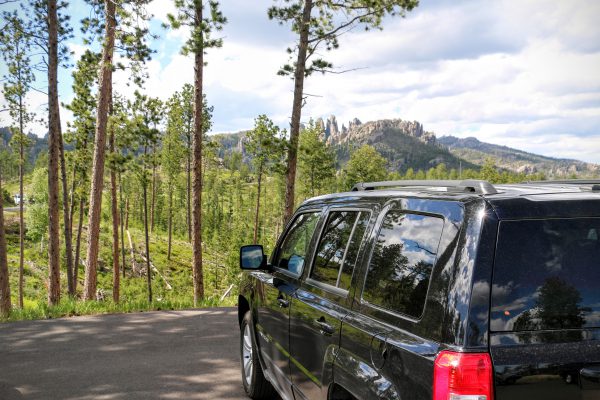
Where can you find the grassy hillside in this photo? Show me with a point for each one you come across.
(516, 160)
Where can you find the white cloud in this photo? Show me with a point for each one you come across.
(520, 74)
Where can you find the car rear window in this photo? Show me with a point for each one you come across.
(402, 261)
(338, 248)
(547, 275)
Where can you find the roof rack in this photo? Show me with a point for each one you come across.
(468, 185)
(594, 183)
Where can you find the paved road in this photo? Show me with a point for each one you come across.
(154, 355)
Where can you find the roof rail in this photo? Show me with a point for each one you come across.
(468, 185)
(582, 183)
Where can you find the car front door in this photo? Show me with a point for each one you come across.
(274, 297)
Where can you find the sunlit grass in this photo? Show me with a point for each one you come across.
(70, 307)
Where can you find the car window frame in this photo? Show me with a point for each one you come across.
(396, 205)
(313, 210)
(325, 286)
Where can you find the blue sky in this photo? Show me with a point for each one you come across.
(525, 74)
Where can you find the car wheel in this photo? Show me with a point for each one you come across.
(255, 383)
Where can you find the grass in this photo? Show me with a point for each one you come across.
(133, 287)
(70, 307)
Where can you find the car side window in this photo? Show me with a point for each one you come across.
(295, 245)
(338, 247)
(402, 262)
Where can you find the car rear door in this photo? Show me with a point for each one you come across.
(322, 301)
(545, 309)
(391, 336)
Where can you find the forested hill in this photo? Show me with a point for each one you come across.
(35, 145)
(405, 144)
(477, 152)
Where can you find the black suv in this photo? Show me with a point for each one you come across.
(428, 290)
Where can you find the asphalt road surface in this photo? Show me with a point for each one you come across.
(153, 355)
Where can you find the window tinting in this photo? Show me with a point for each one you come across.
(547, 275)
(294, 247)
(338, 248)
(402, 261)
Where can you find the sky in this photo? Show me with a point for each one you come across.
(524, 74)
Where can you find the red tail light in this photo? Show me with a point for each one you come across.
(463, 376)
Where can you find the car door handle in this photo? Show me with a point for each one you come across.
(592, 373)
(283, 303)
(324, 327)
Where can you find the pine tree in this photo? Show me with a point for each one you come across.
(15, 45)
(5, 304)
(316, 161)
(172, 154)
(265, 145)
(124, 22)
(332, 18)
(191, 13)
(80, 135)
(365, 165)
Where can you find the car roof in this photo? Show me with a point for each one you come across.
(548, 199)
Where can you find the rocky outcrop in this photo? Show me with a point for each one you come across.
(370, 131)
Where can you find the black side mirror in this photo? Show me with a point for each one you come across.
(252, 257)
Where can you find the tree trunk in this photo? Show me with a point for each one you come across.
(66, 217)
(189, 192)
(127, 214)
(115, 218)
(153, 201)
(290, 177)
(121, 223)
(170, 221)
(53, 158)
(5, 305)
(148, 270)
(21, 219)
(78, 244)
(257, 205)
(105, 83)
(197, 164)
(72, 200)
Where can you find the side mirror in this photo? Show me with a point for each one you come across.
(252, 257)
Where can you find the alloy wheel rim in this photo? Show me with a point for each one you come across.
(247, 355)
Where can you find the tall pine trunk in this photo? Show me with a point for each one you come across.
(5, 305)
(105, 84)
(170, 220)
(153, 201)
(292, 159)
(66, 217)
(197, 163)
(53, 158)
(145, 205)
(189, 192)
(115, 216)
(257, 205)
(21, 216)
(78, 244)
(121, 223)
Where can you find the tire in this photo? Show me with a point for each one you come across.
(253, 379)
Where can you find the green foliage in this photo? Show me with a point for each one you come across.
(266, 145)
(331, 19)
(15, 46)
(131, 34)
(190, 14)
(37, 209)
(365, 165)
(316, 162)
